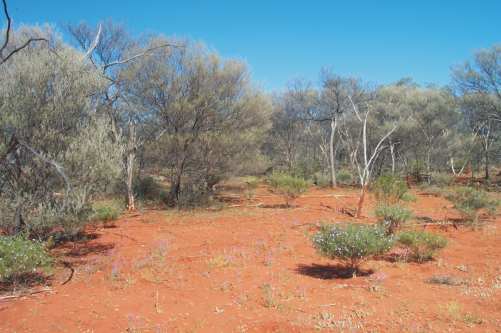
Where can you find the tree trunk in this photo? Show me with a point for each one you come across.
(428, 159)
(19, 225)
(361, 200)
(331, 152)
(131, 155)
(176, 183)
(486, 163)
(174, 191)
(392, 152)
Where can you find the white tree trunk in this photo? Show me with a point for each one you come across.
(129, 167)
(331, 152)
(392, 151)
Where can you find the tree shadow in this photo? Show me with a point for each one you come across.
(429, 222)
(85, 249)
(61, 238)
(25, 281)
(328, 272)
(278, 206)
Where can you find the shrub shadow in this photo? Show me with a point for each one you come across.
(25, 281)
(328, 272)
(85, 249)
(278, 206)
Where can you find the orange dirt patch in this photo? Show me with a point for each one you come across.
(252, 269)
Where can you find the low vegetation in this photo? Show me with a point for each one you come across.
(288, 186)
(20, 257)
(422, 245)
(441, 179)
(392, 217)
(470, 202)
(344, 177)
(107, 210)
(251, 183)
(352, 244)
(390, 192)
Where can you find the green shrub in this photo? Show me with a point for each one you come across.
(352, 243)
(423, 245)
(433, 190)
(20, 256)
(107, 210)
(408, 197)
(251, 184)
(106, 213)
(469, 201)
(288, 186)
(392, 217)
(416, 168)
(148, 189)
(344, 177)
(321, 179)
(441, 179)
(389, 189)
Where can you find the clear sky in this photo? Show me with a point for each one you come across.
(378, 41)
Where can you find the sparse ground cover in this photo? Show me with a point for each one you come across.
(251, 267)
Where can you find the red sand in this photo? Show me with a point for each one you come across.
(253, 269)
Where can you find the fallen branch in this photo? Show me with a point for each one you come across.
(68, 265)
(3, 298)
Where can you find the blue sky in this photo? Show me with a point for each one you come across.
(378, 41)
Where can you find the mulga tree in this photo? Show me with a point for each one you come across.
(478, 83)
(111, 49)
(48, 101)
(209, 116)
(294, 142)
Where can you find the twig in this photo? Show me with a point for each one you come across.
(7, 38)
(26, 294)
(68, 265)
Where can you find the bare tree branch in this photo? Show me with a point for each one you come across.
(7, 38)
(15, 143)
(93, 46)
(141, 54)
(26, 44)
(7, 32)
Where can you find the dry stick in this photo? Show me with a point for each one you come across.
(7, 38)
(26, 294)
(68, 265)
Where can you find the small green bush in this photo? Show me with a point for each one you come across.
(423, 245)
(20, 256)
(148, 189)
(321, 179)
(288, 186)
(392, 217)
(408, 197)
(416, 168)
(389, 189)
(469, 201)
(344, 177)
(251, 184)
(107, 211)
(433, 190)
(352, 243)
(106, 214)
(441, 179)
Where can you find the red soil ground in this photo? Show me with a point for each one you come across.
(253, 269)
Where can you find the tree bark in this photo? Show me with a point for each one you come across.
(392, 152)
(331, 152)
(486, 163)
(361, 200)
(131, 155)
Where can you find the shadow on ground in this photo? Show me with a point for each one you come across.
(327, 272)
